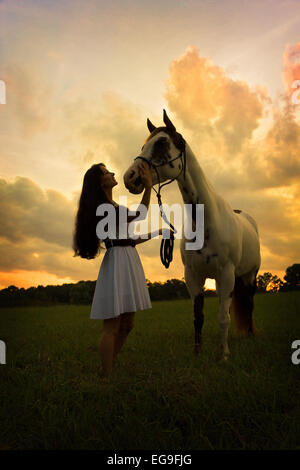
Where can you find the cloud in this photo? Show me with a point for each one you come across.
(28, 98)
(210, 103)
(291, 70)
(108, 129)
(272, 161)
(281, 150)
(220, 116)
(27, 211)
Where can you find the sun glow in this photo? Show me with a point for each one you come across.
(210, 284)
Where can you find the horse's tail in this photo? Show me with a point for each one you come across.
(242, 306)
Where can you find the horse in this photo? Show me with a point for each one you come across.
(231, 249)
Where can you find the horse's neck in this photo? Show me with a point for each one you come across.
(196, 189)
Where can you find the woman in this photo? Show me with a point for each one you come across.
(121, 287)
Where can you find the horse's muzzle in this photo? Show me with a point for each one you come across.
(138, 181)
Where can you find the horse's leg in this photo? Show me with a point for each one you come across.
(243, 302)
(225, 289)
(195, 288)
(198, 321)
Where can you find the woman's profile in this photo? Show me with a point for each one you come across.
(121, 287)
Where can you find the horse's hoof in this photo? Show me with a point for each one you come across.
(225, 357)
(197, 349)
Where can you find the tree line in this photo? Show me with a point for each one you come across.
(82, 292)
(268, 282)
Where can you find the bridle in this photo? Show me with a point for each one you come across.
(166, 248)
(182, 157)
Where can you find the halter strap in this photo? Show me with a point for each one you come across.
(182, 152)
(151, 164)
(166, 249)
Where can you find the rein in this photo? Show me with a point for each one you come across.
(167, 244)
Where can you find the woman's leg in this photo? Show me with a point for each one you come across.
(107, 344)
(126, 325)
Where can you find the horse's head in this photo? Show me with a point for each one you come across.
(164, 151)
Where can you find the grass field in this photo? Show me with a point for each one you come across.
(161, 396)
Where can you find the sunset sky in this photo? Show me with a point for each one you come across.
(83, 76)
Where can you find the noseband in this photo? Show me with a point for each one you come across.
(167, 245)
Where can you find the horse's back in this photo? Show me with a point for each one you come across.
(250, 260)
(250, 219)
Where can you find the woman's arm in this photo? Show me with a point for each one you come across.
(146, 177)
(150, 235)
(167, 233)
(146, 196)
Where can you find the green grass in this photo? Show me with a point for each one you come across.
(161, 396)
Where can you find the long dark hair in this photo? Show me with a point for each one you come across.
(86, 244)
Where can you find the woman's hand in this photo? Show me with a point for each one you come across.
(145, 174)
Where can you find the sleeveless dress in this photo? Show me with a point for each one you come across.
(121, 284)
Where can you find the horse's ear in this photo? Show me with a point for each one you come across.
(168, 123)
(151, 127)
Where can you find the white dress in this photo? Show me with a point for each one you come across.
(121, 285)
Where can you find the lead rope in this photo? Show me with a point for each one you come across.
(167, 244)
